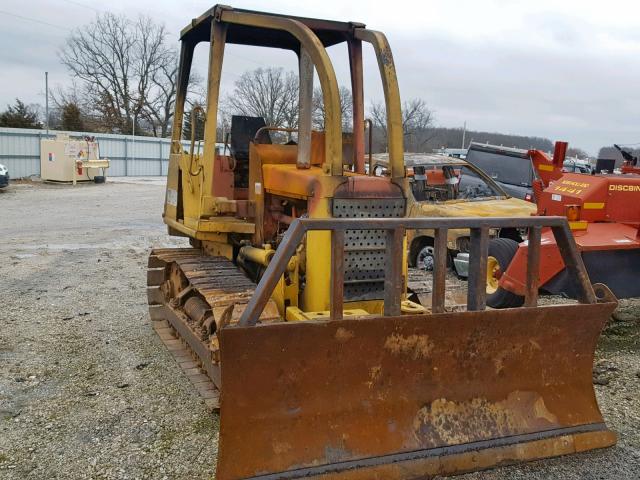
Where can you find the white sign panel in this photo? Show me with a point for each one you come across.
(172, 197)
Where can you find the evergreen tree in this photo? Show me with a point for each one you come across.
(186, 129)
(20, 115)
(72, 118)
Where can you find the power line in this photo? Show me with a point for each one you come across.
(30, 19)
(84, 5)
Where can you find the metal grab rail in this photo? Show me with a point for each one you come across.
(396, 227)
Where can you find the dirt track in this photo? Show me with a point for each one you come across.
(88, 391)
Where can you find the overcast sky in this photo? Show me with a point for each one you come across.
(566, 70)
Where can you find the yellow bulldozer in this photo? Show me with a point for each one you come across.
(293, 299)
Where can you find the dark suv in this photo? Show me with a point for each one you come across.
(510, 167)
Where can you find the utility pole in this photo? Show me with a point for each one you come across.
(133, 138)
(464, 132)
(46, 101)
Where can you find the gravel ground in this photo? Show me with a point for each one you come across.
(86, 388)
(88, 391)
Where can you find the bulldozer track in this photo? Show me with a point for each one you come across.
(190, 365)
(215, 279)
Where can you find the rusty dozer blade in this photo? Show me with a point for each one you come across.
(408, 397)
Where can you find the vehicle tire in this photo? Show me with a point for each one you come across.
(424, 258)
(417, 245)
(422, 250)
(501, 252)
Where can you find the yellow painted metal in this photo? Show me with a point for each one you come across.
(391, 96)
(579, 225)
(499, 207)
(412, 308)
(291, 288)
(218, 249)
(261, 256)
(593, 205)
(545, 168)
(226, 225)
(103, 163)
(197, 169)
(493, 268)
(324, 69)
(318, 271)
(193, 232)
(173, 191)
(294, 314)
(216, 56)
(270, 169)
(186, 57)
(191, 188)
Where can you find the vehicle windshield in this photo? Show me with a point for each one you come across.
(441, 183)
(571, 167)
(503, 168)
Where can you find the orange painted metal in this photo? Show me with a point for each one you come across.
(609, 216)
(356, 186)
(596, 237)
(357, 93)
(222, 179)
(603, 198)
(323, 399)
(549, 169)
(289, 178)
(551, 263)
(576, 189)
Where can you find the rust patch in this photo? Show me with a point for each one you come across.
(453, 423)
(416, 346)
(498, 363)
(374, 375)
(343, 335)
(281, 447)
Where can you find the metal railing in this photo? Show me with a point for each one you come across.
(393, 283)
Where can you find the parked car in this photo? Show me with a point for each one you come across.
(445, 186)
(511, 168)
(4, 176)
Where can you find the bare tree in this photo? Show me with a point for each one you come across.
(577, 152)
(417, 122)
(73, 101)
(159, 103)
(378, 114)
(122, 66)
(346, 108)
(270, 93)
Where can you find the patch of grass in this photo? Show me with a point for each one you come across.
(622, 332)
(203, 424)
(166, 440)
